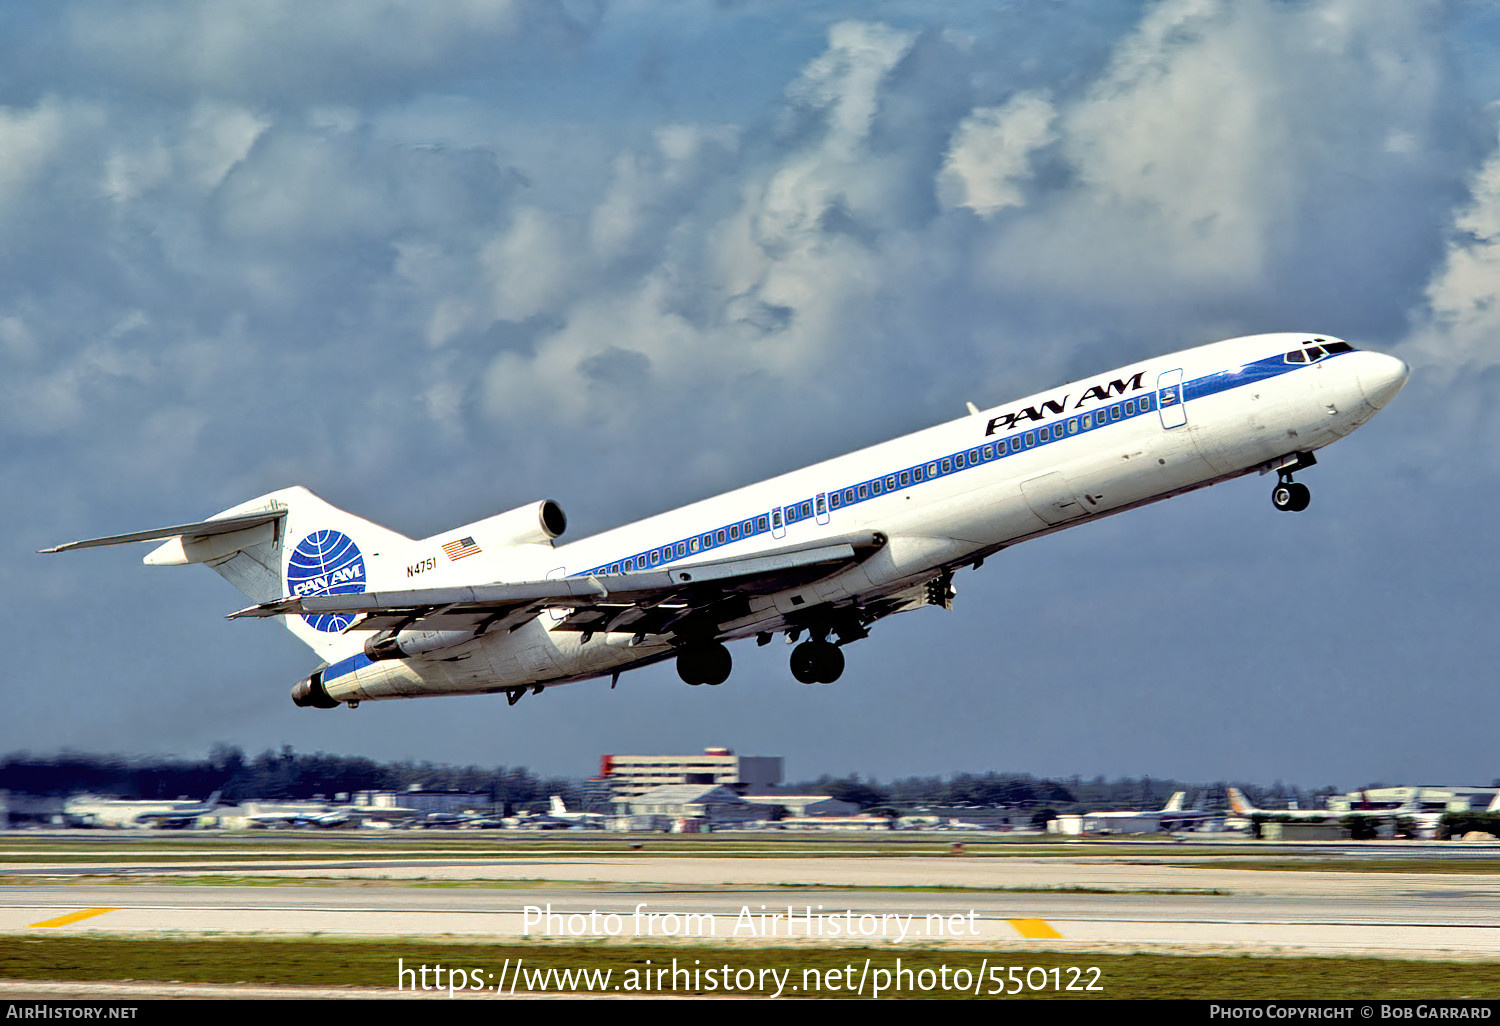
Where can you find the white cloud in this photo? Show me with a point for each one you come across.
(1462, 323)
(332, 49)
(991, 155)
(34, 141)
(648, 192)
(530, 267)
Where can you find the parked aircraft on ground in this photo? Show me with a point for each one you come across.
(182, 815)
(1241, 806)
(821, 553)
(1171, 816)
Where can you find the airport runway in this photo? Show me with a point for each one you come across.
(1012, 902)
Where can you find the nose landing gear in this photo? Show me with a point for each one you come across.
(1289, 496)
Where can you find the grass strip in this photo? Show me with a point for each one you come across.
(823, 972)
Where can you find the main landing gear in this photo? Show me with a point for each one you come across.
(817, 662)
(707, 663)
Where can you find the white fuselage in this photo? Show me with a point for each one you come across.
(943, 498)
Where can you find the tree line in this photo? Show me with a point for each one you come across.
(288, 775)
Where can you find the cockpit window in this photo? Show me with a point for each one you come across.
(1312, 354)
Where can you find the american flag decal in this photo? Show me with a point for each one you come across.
(461, 548)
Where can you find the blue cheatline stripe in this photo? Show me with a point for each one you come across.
(948, 465)
(345, 666)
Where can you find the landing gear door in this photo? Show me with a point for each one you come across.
(1169, 399)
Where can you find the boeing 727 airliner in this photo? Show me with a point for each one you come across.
(499, 606)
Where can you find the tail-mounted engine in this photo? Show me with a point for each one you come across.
(405, 644)
(536, 524)
(310, 693)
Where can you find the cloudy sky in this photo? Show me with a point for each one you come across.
(434, 261)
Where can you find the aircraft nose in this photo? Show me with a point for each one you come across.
(1381, 377)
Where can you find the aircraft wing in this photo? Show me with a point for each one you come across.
(651, 602)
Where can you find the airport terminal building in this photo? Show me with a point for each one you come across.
(629, 776)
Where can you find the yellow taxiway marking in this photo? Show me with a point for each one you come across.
(1034, 928)
(73, 917)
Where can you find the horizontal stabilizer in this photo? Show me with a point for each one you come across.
(187, 532)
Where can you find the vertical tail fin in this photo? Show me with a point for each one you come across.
(316, 549)
(1239, 803)
(287, 542)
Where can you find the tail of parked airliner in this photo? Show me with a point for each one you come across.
(287, 542)
(1238, 803)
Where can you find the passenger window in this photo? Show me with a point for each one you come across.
(989, 452)
(890, 483)
(864, 491)
(1015, 444)
(692, 544)
(1030, 439)
(875, 487)
(834, 499)
(848, 496)
(905, 478)
(948, 466)
(1114, 413)
(932, 469)
(916, 474)
(655, 556)
(1130, 407)
(958, 461)
(681, 549)
(719, 538)
(761, 523)
(973, 456)
(1073, 426)
(734, 533)
(614, 568)
(1145, 403)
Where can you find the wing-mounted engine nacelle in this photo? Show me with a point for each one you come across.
(536, 524)
(405, 644)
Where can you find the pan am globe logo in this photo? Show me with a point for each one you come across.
(326, 563)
